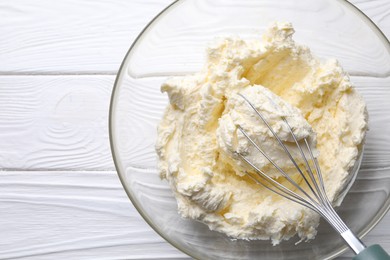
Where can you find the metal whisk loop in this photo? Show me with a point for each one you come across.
(279, 140)
(319, 201)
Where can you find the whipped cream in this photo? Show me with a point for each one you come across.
(238, 113)
(198, 133)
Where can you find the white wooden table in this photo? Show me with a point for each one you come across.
(60, 197)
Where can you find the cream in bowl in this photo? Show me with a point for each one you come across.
(198, 133)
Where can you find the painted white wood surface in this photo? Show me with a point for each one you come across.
(70, 36)
(57, 58)
(82, 215)
(55, 122)
(73, 215)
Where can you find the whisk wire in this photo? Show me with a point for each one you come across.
(285, 175)
(283, 191)
(335, 221)
(288, 193)
(281, 144)
(321, 203)
(308, 168)
(320, 193)
(321, 190)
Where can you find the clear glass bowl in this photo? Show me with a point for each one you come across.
(173, 44)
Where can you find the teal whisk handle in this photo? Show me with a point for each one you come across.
(374, 252)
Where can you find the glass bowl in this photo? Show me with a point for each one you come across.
(174, 43)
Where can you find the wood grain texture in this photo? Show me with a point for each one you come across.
(56, 214)
(74, 36)
(60, 122)
(83, 215)
(83, 37)
(378, 11)
(55, 122)
(73, 215)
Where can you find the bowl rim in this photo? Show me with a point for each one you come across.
(337, 252)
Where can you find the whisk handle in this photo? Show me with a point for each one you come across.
(374, 252)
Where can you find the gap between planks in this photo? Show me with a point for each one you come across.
(59, 73)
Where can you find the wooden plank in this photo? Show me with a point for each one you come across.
(376, 93)
(77, 215)
(84, 215)
(378, 11)
(80, 37)
(61, 122)
(77, 36)
(73, 215)
(55, 122)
